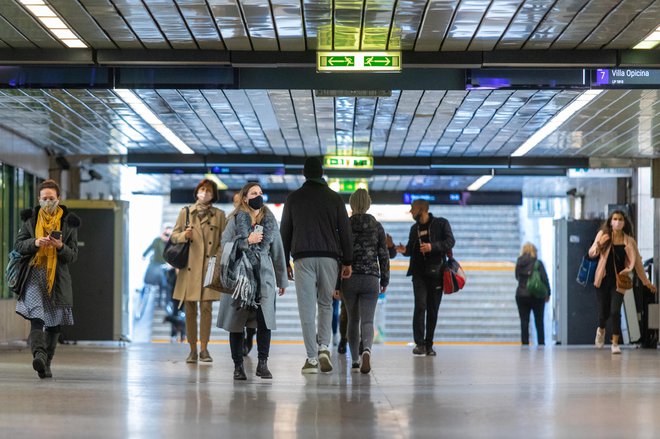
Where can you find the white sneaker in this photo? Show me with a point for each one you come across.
(616, 350)
(600, 339)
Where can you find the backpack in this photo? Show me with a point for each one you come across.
(535, 285)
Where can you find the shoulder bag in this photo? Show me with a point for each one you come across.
(17, 272)
(623, 281)
(177, 254)
(453, 277)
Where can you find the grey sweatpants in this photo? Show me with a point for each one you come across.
(360, 293)
(315, 282)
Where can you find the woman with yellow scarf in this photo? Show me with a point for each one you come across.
(49, 239)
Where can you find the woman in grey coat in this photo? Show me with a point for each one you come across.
(254, 228)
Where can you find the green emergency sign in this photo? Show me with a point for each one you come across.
(358, 61)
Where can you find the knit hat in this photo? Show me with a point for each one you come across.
(313, 168)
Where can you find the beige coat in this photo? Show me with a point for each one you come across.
(633, 260)
(205, 243)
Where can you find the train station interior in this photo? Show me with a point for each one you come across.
(518, 121)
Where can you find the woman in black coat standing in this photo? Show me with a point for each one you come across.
(48, 238)
(525, 265)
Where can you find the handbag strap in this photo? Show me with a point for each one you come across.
(187, 216)
(616, 270)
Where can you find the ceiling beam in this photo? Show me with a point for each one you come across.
(410, 59)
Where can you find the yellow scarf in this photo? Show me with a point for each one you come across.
(47, 256)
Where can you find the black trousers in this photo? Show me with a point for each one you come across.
(263, 341)
(609, 306)
(428, 295)
(525, 306)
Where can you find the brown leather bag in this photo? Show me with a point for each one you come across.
(623, 281)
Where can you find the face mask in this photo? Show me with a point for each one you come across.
(417, 217)
(256, 203)
(617, 224)
(204, 197)
(49, 206)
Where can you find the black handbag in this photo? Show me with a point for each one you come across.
(17, 271)
(177, 254)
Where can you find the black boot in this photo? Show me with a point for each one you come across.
(37, 342)
(262, 369)
(341, 347)
(239, 372)
(51, 344)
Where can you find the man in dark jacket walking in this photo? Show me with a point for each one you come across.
(317, 234)
(429, 242)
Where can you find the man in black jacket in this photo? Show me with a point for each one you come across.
(429, 242)
(317, 234)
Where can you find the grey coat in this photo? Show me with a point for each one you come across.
(272, 272)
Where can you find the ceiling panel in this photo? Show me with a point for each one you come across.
(142, 23)
(229, 19)
(112, 23)
(201, 24)
(526, 20)
(584, 23)
(615, 22)
(170, 22)
(28, 26)
(405, 24)
(77, 17)
(467, 19)
(435, 24)
(259, 21)
(642, 25)
(494, 24)
(554, 23)
(289, 24)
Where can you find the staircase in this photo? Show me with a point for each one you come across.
(487, 245)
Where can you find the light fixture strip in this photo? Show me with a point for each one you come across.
(650, 41)
(554, 123)
(148, 116)
(479, 182)
(55, 25)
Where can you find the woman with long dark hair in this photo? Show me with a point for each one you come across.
(525, 265)
(49, 237)
(253, 228)
(618, 254)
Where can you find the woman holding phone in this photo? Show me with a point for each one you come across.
(617, 250)
(49, 237)
(253, 227)
(205, 227)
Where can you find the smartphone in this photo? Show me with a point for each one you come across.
(258, 229)
(56, 234)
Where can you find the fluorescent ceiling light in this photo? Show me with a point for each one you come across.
(650, 41)
(479, 182)
(145, 113)
(55, 25)
(556, 121)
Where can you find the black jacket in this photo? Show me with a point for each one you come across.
(442, 240)
(315, 224)
(62, 293)
(370, 255)
(524, 267)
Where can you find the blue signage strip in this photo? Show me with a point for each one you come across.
(626, 78)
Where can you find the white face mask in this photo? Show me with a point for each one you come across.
(49, 206)
(204, 197)
(617, 224)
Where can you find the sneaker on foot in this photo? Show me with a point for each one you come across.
(192, 357)
(205, 357)
(616, 349)
(310, 367)
(366, 361)
(430, 352)
(355, 367)
(419, 350)
(600, 338)
(324, 361)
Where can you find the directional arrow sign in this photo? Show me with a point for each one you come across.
(358, 61)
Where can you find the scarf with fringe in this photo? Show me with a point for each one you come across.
(47, 256)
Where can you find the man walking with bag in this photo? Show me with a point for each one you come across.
(429, 242)
(317, 234)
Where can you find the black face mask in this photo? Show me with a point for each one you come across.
(417, 217)
(256, 203)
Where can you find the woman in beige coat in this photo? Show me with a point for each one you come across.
(204, 231)
(618, 253)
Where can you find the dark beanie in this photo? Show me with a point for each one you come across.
(313, 168)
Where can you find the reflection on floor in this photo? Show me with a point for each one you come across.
(148, 391)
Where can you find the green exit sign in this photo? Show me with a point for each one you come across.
(348, 162)
(347, 186)
(358, 61)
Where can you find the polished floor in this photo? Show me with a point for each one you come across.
(467, 391)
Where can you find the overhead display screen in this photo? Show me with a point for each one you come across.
(626, 78)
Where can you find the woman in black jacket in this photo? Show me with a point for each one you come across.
(48, 238)
(371, 274)
(524, 299)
